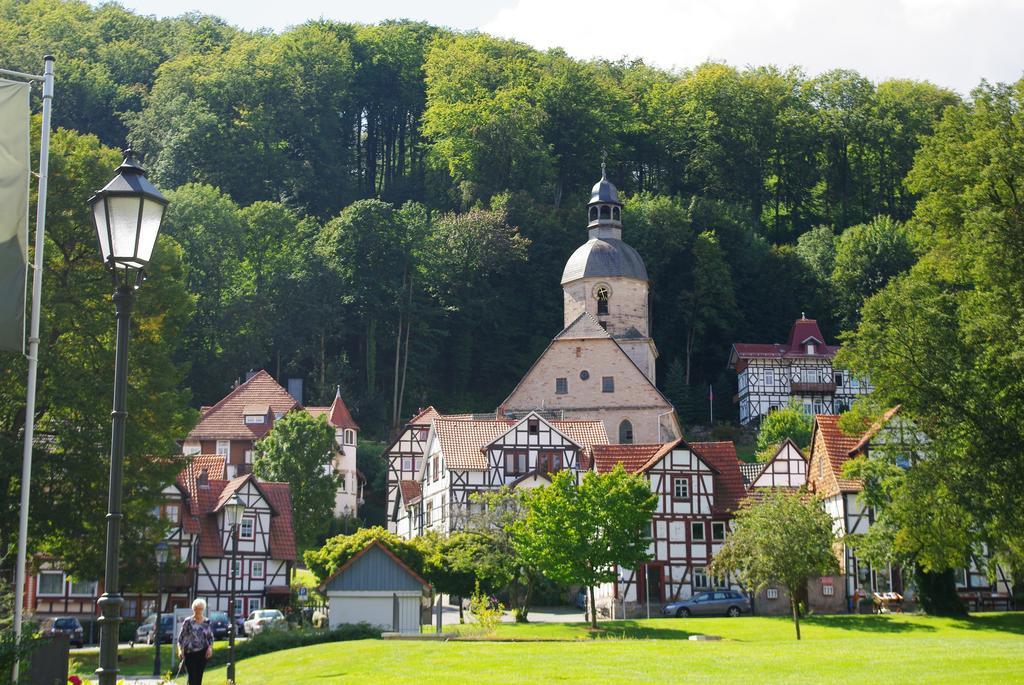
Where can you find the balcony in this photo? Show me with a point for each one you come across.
(812, 388)
(180, 581)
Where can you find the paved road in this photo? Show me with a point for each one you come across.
(450, 615)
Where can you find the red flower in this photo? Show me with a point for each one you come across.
(74, 680)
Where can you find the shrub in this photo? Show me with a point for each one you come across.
(487, 613)
(276, 640)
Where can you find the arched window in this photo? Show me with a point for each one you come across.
(593, 213)
(625, 432)
(602, 294)
(615, 213)
(606, 212)
(350, 437)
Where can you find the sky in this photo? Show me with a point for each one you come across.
(953, 43)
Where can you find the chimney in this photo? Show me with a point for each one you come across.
(295, 389)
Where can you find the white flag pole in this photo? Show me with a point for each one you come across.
(33, 349)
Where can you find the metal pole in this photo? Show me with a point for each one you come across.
(647, 587)
(231, 607)
(33, 349)
(159, 609)
(394, 613)
(110, 602)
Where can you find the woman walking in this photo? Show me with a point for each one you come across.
(195, 643)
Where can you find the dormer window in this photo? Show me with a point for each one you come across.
(256, 413)
(810, 348)
(253, 418)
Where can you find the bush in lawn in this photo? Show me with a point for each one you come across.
(276, 640)
(487, 615)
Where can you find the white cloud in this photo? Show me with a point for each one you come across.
(954, 43)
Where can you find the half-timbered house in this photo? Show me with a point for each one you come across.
(266, 541)
(770, 376)
(247, 414)
(898, 440)
(465, 456)
(698, 486)
(787, 469)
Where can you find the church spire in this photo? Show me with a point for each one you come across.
(604, 208)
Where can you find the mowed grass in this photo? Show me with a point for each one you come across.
(835, 649)
(137, 660)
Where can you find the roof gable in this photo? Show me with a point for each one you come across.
(375, 567)
(584, 326)
(786, 468)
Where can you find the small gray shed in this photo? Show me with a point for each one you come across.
(364, 590)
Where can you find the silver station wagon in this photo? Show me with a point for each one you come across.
(717, 603)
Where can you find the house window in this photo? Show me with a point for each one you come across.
(236, 568)
(51, 583)
(442, 519)
(626, 432)
(837, 378)
(771, 593)
(223, 448)
(819, 407)
(700, 578)
(423, 433)
(191, 448)
(808, 409)
(561, 386)
(428, 517)
(257, 568)
(681, 487)
(255, 419)
(171, 512)
(602, 294)
(406, 464)
(854, 383)
(608, 384)
(515, 462)
(769, 377)
(350, 437)
(697, 531)
(129, 608)
(437, 471)
(247, 457)
(810, 348)
(549, 462)
(718, 530)
(238, 607)
(247, 529)
(533, 426)
(426, 471)
(255, 604)
(83, 588)
(828, 590)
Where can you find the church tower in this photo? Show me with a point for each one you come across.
(607, 279)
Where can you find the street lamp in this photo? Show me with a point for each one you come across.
(233, 510)
(161, 561)
(126, 214)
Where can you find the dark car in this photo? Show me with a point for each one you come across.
(581, 600)
(66, 626)
(717, 603)
(145, 632)
(219, 624)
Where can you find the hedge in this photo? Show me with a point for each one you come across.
(276, 640)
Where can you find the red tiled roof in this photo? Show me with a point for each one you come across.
(226, 419)
(634, 458)
(462, 442)
(205, 501)
(425, 417)
(875, 427)
(838, 448)
(801, 330)
(338, 415)
(586, 434)
(411, 490)
(729, 488)
(282, 533)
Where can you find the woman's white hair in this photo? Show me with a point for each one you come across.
(199, 604)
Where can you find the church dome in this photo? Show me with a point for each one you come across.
(607, 257)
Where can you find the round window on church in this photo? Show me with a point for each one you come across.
(584, 375)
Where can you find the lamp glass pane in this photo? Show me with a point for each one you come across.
(124, 223)
(99, 217)
(152, 214)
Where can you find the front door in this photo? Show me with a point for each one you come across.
(655, 588)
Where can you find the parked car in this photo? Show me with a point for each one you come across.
(581, 600)
(219, 624)
(145, 633)
(718, 603)
(264, 619)
(66, 626)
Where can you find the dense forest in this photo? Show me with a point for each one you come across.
(741, 184)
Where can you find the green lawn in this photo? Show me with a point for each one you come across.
(835, 649)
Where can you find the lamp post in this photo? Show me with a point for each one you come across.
(126, 214)
(233, 511)
(161, 561)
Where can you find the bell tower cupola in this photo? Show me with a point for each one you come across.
(604, 211)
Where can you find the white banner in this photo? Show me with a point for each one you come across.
(14, 180)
